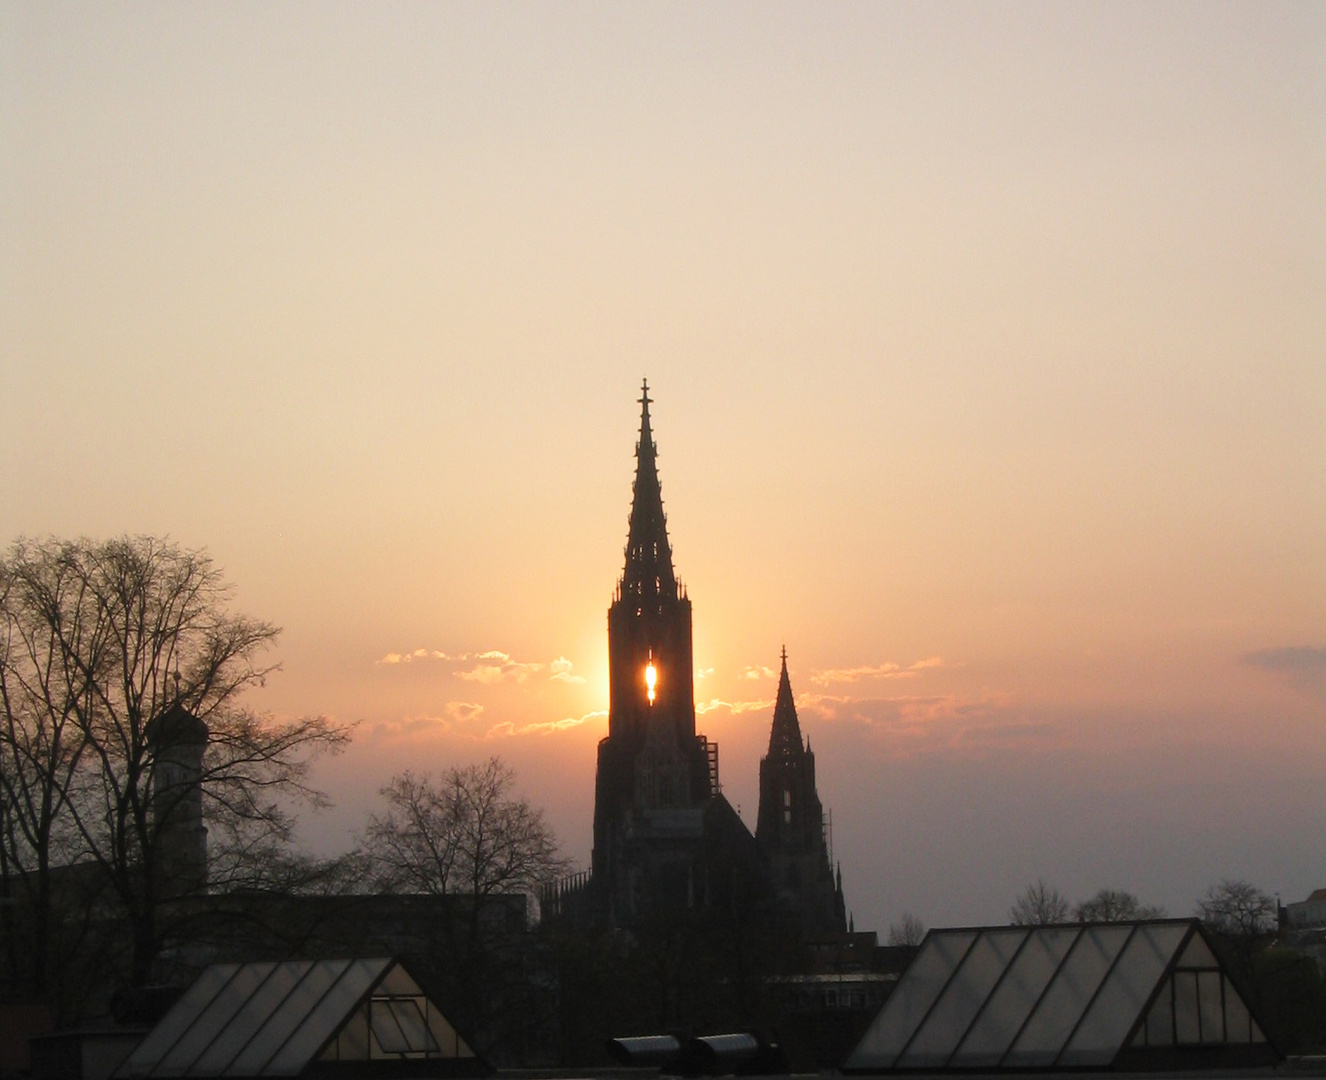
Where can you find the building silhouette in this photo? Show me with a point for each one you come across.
(791, 823)
(178, 740)
(665, 837)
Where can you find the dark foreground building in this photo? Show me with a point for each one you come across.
(362, 1018)
(665, 838)
(1150, 995)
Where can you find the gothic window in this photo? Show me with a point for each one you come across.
(787, 806)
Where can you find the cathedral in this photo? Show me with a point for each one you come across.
(665, 838)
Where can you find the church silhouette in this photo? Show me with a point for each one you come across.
(666, 840)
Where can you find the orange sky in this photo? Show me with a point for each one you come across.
(987, 344)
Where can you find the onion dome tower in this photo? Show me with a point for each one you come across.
(177, 741)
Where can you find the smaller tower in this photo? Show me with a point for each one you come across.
(177, 741)
(790, 826)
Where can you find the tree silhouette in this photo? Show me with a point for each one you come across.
(1237, 909)
(100, 640)
(1115, 905)
(1039, 905)
(908, 930)
(465, 835)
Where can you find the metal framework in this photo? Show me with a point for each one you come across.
(298, 1017)
(1060, 997)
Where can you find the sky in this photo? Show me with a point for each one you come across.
(988, 351)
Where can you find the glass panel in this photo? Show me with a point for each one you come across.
(1197, 954)
(250, 1024)
(911, 999)
(1237, 1019)
(450, 1043)
(319, 1026)
(1185, 1007)
(956, 1009)
(301, 999)
(1160, 1021)
(411, 1020)
(180, 1018)
(213, 1019)
(1014, 998)
(382, 1019)
(1068, 995)
(1123, 995)
(397, 983)
(1208, 1006)
(353, 1039)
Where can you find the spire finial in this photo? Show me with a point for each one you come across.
(784, 656)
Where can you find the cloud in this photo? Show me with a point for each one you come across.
(490, 666)
(418, 654)
(459, 721)
(760, 672)
(733, 707)
(463, 711)
(561, 671)
(496, 666)
(408, 728)
(703, 673)
(1302, 666)
(922, 724)
(1296, 658)
(878, 671)
(506, 729)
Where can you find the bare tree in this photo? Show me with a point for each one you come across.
(908, 930)
(1039, 905)
(41, 747)
(1240, 917)
(463, 833)
(466, 837)
(1115, 905)
(1237, 909)
(118, 634)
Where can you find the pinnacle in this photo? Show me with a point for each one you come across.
(785, 737)
(648, 572)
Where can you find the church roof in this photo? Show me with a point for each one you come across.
(648, 570)
(785, 736)
(1097, 995)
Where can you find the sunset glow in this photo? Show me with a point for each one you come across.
(986, 353)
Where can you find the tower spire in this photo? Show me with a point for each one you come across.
(785, 736)
(648, 573)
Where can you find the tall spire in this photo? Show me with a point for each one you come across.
(648, 573)
(785, 737)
